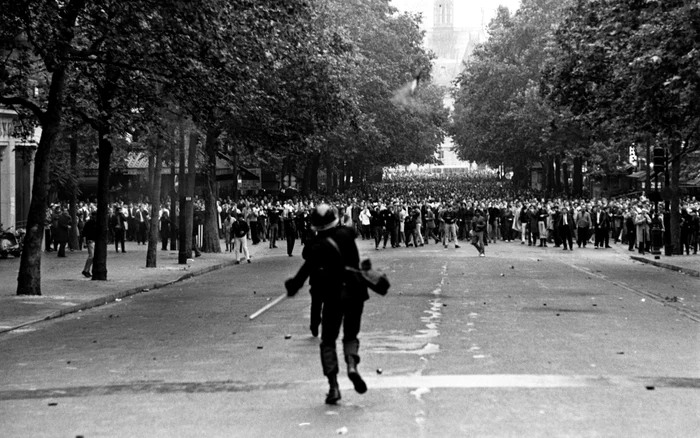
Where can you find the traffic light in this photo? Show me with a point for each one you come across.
(659, 160)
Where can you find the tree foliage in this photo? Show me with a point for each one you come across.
(500, 117)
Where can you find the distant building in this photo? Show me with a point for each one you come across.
(453, 29)
(16, 172)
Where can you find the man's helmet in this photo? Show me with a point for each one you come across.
(323, 218)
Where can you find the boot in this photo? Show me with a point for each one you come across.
(333, 392)
(354, 376)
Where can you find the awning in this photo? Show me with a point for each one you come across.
(641, 175)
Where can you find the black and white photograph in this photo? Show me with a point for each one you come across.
(361, 218)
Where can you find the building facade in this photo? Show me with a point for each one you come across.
(16, 171)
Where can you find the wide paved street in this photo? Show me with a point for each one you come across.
(526, 342)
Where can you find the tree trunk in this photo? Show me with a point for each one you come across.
(565, 170)
(104, 153)
(578, 176)
(153, 236)
(557, 174)
(329, 176)
(234, 164)
(186, 198)
(356, 174)
(29, 275)
(313, 174)
(73, 240)
(210, 240)
(173, 197)
(676, 198)
(341, 177)
(304, 188)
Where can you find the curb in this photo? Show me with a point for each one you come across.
(691, 272)
(100, 301)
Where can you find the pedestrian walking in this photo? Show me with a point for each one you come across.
(326, 257)
(478, 228)
(228, 237)
(62, 234)
(239, 231)
(165, 229)
(118, 224)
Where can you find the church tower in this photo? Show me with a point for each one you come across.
(444, 37)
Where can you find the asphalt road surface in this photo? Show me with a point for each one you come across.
(526, 342)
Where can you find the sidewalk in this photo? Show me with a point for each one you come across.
(687, 264)
(65, 290)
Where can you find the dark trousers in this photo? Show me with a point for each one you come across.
(119, 238)
(377, 235)
(565, 236)
(262, 231)
(142, 233)
(365, 232)
(290, 242)
(347, 312)
(62, 249)
(47, 239)
(254, 232)
(582, 236)
(274, 228)
(602, 237)
(430, 234)
(390, 235)
(316, 307)
(631, 238)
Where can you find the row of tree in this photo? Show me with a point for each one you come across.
(305, 83)
(564, 83)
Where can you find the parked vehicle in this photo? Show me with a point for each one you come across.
(11, 243)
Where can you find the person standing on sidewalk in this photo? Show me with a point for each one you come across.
(326, 257)
(239, 231)
(164, 229)
(273, 215)
(290, 232)
(118, 224)
(630, 227)
(228, 237)
(63, 231)
(642, 220)
(694, 229)
(90, 233)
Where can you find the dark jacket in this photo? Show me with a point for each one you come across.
(239, 228)
(62, 232)
(325, 264)
(90, 230)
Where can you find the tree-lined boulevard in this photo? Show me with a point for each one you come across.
(524, 342)
(329, 97)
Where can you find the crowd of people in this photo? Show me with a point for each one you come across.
(406, 211)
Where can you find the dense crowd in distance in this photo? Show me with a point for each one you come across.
(413, 210)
